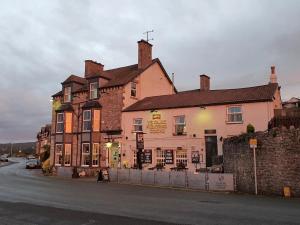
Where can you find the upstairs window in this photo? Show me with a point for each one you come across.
(180, 128)
(234, 114)
(133, 89)
(59, 123)
(87, 120)
(137, 125)
(93, 90)
(67, 94)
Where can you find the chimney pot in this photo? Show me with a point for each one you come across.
(92, 68)
(273, 77)
(144, 54)
(204, 82)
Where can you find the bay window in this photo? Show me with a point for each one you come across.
(85, 159)
(234, 114)
(58, 154)
(87, 120)
(59, 122)
(67, 158)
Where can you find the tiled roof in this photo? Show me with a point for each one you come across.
(60, 93)
(196, 98)
(74, 78)
(91, 104)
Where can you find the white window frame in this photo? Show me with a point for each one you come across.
(133, 91)
(137, 123)
(86, 121)
(58, 155)
(67, 94)
(179, 124)
(85, 154)
(95, 154)
(93, 90)
(68, 153)
(160, 157)
(182, 156)
(60, 122)
(234, 114)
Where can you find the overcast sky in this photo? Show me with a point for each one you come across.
(234, 42)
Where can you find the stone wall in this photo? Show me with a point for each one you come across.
(278, 161)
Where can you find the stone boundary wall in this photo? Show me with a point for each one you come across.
(278, 161)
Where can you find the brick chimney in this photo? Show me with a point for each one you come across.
(92, 68)
(204, 82)
(144, 54)
(273, 77)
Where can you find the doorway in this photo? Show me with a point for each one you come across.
(211, 149)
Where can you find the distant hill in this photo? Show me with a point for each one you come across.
(27, 147)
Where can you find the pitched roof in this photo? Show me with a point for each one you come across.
(196, 98)
(74, 78)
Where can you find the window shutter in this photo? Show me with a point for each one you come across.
(96, 121)
(68, 122)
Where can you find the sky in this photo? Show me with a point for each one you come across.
(234, 42)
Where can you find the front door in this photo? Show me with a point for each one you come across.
(211, 149)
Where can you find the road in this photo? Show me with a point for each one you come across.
(27, 197)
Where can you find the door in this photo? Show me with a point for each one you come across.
(211, 148)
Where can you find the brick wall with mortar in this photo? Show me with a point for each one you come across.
(278, 161)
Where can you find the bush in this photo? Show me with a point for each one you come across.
(250, 129)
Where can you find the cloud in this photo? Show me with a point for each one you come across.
(234, 42)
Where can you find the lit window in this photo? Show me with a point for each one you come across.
(67, 157)
(234, 114)
(85, 154)
(95, 156)
(160, 157)
(181, 157)
(87, 120)
(68, 127)
(133, 89)
(137, 125)
(58, 154)
(93, 90)
(67, 94)
(59, 123)
(96, 120)
(180, 125)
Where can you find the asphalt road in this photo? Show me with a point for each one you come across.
(26, 197)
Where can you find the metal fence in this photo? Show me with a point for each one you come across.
(179, 179)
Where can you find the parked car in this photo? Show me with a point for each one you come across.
(4, 158)
(31, 157)
(33, 164)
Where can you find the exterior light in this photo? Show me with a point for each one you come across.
(108, 144)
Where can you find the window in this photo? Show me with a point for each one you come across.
(67, 157)
(93, 90)
(133, 89)
(181, 157)
(96, 120)
(180, 125)
(58, 154)
(67, 94)
(68, 127)
(60, 123)
(95, 156)
(160, 157)
(234, 114)
(137, 125)
(87, 120)
(85, 154)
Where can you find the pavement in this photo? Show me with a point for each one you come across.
(27, 197)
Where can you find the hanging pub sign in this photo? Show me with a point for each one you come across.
(139, 140)
(169, 157)
(148, 156)
(195, 157)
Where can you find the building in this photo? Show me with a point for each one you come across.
(191, 125)
(43, 139)
(87, 112)
(292, 103)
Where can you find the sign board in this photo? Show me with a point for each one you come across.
(139, 140)
(253, 143)
(148, 156)
(195, 157)
(156, 125)
(169, 157)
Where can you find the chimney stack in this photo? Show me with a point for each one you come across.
(92, 68)
(144, 54)
(204, 82)
(273, 77)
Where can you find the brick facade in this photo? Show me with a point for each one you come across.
(278, 161)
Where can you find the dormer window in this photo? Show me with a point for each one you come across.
(133, 89)
(93, 90)
(67, 94)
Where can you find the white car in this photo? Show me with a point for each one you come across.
(4, 158)
(33, 164)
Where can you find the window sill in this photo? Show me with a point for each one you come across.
(85, 166)
(238, 122)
